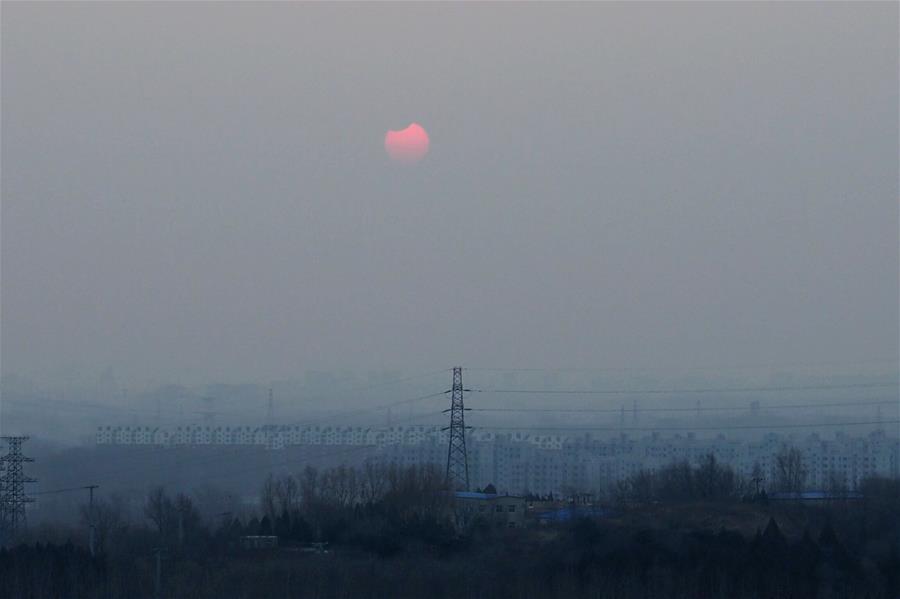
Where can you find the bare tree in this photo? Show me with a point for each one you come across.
(714, 480)
(373, 482)
(158, 509)
(757, 478)
(340, 485)
(309, 485)
(642, 486)
(675, 482)
(187, 517)
(416, 490)
(790, 472)
(287, 493)
(268, 496)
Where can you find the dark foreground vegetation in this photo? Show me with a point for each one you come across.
(392, 534)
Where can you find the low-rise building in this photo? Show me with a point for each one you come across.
(506, 511)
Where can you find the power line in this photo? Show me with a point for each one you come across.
(141, 451)
(319, 456)
(288, 460)
(64, 490)
(144, 451)
(694, 409)
(685, 428)
(720, 367)
(358, 411)
(75, 404)
(232, 451)
(686, 391)
(56, 403)
(109, 479)
(538, 428)
(52, 404)
(398, 381)
(239, 449)
(379, 384)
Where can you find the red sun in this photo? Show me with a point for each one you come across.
(408, 145)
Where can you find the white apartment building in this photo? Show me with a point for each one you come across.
(521, 462)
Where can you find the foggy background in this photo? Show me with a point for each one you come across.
(198, 193)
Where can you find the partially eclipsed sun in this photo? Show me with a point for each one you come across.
(408, 145)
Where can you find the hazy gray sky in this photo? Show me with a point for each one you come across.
(199, 191)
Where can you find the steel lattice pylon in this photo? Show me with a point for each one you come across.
(457, 458)
(2, 503)
(12, 482)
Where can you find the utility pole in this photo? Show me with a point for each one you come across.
(158, 587)
(92, 522)
(457, 457)
(13, 500)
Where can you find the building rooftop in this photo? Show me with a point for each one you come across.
(473, 495)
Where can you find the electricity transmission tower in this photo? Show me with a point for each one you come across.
(457, 458)
(12, 483)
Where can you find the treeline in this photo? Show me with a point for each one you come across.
(711, 480)
(599, 561)
(682, 482)
(390, 532)
(376, 508)
(584, 559)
